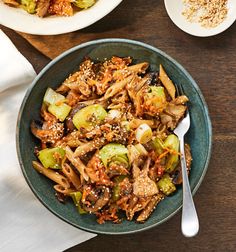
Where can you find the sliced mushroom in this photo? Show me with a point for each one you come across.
(104, 196)
(174, 112)
(77, 163)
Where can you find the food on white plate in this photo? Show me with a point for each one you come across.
(44, 8)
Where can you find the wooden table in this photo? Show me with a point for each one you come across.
(212, 63)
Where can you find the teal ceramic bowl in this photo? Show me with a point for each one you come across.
(199, 136)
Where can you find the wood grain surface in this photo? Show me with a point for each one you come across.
(212, 63)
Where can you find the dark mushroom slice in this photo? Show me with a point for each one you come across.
(104, 197)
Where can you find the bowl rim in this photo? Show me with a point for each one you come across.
(97, 42)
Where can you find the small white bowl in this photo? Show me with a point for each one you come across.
(20, 20)
(175, 8)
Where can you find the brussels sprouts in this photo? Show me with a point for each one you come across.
(48, 157)
(84, 4)
(89, 116)
(166, 185)
(29, 5)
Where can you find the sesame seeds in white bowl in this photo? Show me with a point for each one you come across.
(20, 20)
(202, 18)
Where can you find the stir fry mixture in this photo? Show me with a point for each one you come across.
(107, 139)
(44, 8)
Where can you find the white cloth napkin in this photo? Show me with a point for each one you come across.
(25, 224)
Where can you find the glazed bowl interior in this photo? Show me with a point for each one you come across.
(199, 135)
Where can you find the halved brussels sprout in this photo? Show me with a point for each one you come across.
(158, 145)
(76, 196)
(89, 116)
(52, 97)
(29, 6)
(84, 4)
(48, 157)
(112, 152)
(157, 96)
(60, 111)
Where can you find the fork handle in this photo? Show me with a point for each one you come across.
(189, 223)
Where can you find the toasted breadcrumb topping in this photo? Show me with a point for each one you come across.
(208, 13)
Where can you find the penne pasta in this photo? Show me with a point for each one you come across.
(63, 190)
(117, 87)
(78, 164)
(167, 82)
(53, 175)
(71, 175)
(139, 68)
(72, 140)
(89, 146)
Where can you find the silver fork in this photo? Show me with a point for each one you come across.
(189, 222)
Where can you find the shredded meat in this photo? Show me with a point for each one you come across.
(143, 186)
(42, 7)
(61, 8)
(174, 112)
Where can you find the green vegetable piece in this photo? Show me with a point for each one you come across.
(120, 160)
(111, 151)
(158, 91)
(89, 116)
(47, 157)
(29, 6)
(159, 94)
(158, 145)
(84, 4)
(60, 111)
(76, 196)
(126, 125)
(143, 133)
(166, 185)
(116, 188)
(119, 178)
(52, 97)
(141, 150)
(116, 193)
(172, 142)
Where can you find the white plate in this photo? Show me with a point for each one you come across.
(20, 20)
(175, 8)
